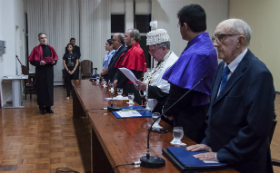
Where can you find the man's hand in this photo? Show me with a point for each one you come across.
(100, 75)
(43, 63)
(211, 156)
(199, 147)
(138, 82)
(53, 62)
(142, 86)
(115, 83)
(203, 156)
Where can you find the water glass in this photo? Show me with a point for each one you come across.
(104, 83)
(119, 91)
(178, 134)
(130, 98)
(156, 119)
(97, 80)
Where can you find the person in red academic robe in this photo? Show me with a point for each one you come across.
(44, 57)
(134, 59)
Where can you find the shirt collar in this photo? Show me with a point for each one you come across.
(119, 48)
(232, 66)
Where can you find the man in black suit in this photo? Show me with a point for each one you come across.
(242, 104)
(118, 45)
(76, 49)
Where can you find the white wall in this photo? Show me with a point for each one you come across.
(263, 18)
(11, 15)
(165, 12)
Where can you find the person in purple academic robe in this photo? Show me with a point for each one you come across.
(198, 60)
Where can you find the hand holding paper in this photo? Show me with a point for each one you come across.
(129, 74)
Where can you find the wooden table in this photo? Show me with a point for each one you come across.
(119, 141)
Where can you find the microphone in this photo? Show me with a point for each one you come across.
(112, 108)
(149, 161)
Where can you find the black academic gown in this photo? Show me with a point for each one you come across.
(191, 118)
(44, 78)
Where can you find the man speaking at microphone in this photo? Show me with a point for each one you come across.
(242, 104)
(198, 60)
(134, 59)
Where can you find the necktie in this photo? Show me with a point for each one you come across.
(224, 77)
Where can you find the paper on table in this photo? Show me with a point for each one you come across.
(209, 161)
(129, 74)
(129, 113)
(117, 98)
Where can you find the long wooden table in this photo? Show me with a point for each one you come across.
(119, 141)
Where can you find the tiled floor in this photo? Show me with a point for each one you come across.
(34, 143)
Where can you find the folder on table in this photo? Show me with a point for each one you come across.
(132, 112)
(185, 161)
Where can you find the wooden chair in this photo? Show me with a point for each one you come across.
(29, 83)
(274, 162)
(87, 69)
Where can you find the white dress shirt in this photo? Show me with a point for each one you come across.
(233, 65)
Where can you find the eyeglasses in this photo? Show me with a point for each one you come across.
(153, 50)
(178, 25)
(220, 37)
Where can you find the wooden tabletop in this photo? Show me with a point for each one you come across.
(125, 140)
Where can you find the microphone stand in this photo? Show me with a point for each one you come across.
(149, 161)
(112, 108)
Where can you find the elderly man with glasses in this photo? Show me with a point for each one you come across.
(156, 88)
(241, 112)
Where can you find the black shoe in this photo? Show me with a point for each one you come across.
(42, 111)
(49, 111)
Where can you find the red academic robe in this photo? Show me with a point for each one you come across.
(44, 76)
(133, 59)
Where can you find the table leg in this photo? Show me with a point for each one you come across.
(99, 160)
(78, 110)
(16, 94)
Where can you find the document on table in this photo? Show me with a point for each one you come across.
(209, 161)
(117, 98)
(129, 74)
(129, 114)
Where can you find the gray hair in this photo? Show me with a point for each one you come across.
(121, 37)
(166, 44)
(241, 27)
(41, 34)
(135, 33)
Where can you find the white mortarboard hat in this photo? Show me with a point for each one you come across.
(156, 36)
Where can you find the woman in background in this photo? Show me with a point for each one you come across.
(70, 63)
(107, 59)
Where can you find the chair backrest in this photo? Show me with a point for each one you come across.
(86, 67)
(24, 70)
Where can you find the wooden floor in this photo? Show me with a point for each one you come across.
(34, 143)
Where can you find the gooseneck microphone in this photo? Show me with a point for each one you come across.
(112, 108)
(149, 161)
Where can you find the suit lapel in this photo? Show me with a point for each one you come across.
(236, 75)
(217, 81)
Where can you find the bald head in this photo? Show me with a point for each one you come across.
(237, 26)
(118, 40)
(231, 38)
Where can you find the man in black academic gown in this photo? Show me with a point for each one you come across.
(76, 49)
(44, 57)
